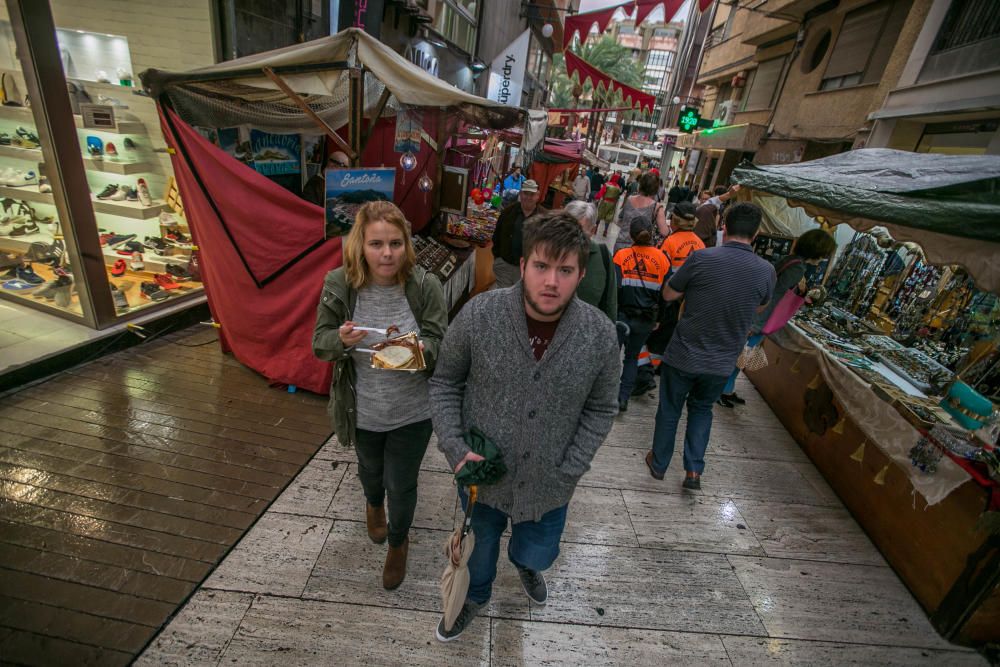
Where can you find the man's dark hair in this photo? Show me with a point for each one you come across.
(597, 170)
(555, 235)
(721, 190)
(814, 244)
(743, 220)
(649, 184)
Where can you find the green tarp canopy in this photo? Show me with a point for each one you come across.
(949, 204)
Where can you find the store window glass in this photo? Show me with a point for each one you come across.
(146, 244)
(37, 264)
(958, 138)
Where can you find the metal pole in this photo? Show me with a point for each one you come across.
(357, 95)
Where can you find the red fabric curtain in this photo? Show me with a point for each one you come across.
(584, 70)
(262, 247)
(263, 258)
(545, 173)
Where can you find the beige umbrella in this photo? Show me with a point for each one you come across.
(455, 579)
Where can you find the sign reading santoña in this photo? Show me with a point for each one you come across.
(348, 189)
(507, 72)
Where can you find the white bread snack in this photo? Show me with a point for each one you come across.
(394, 356)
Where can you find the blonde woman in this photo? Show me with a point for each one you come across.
(383, 414)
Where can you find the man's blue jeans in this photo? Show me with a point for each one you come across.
(533, 545)
(639, 330)
(700, 391)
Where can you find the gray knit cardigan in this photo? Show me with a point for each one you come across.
(548, 417)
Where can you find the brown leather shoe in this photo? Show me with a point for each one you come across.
(395, 565)
(375, 518)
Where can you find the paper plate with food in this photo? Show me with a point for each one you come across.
(401, 353)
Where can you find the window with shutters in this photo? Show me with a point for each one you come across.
(762, 85)
(864, 44)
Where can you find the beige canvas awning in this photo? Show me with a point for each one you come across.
(318, 71)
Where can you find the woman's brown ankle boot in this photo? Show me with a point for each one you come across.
(395, 565)
(375, 519)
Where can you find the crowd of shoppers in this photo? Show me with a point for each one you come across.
(543, 363)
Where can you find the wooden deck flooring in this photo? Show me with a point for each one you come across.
(124, 482)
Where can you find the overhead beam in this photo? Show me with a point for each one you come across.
(302, 104)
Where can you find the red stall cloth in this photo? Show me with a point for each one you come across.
(263, 258)
(584, 71)
(417, 206)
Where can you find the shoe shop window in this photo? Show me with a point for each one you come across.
(141, 230)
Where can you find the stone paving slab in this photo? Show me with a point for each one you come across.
(764, 565)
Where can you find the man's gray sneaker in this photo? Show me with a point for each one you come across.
(534, 585)
(468, 612)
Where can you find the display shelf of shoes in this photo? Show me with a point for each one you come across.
(24, 115)
(154, 263)
(23, 243)
(128, 209)
(125, 209)
(105, 165)
(116, 166)
(72, 303)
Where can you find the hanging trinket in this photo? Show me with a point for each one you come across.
(408, 161)
(425, 184)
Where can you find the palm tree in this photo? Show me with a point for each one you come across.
(608, 56)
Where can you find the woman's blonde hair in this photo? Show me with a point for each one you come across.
(355, 265)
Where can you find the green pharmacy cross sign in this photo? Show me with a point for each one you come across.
(689, 119)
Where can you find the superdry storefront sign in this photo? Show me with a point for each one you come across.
(507, 72)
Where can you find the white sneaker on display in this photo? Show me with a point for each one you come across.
(21, 178)
(137, 263)
(121, 194)
(43, 185)
(6, 175)
(143, 190)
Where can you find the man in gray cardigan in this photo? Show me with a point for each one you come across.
(536, 370)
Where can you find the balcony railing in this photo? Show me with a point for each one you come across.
(716, 36)
(968, 21)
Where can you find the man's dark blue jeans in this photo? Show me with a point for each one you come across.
(533, 545)
(639, 330)
(700, 391)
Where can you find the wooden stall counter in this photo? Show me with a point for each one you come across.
(951, 566)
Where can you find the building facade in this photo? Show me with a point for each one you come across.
(504, 22)
(947, 99)
(793, 80)
(683, 89)
(654, 45)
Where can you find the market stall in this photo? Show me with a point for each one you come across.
(264, 248)
(891, 387)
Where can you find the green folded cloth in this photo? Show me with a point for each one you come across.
(488, 471)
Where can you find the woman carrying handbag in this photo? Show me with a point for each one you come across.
(642, 206)
(789, 295)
